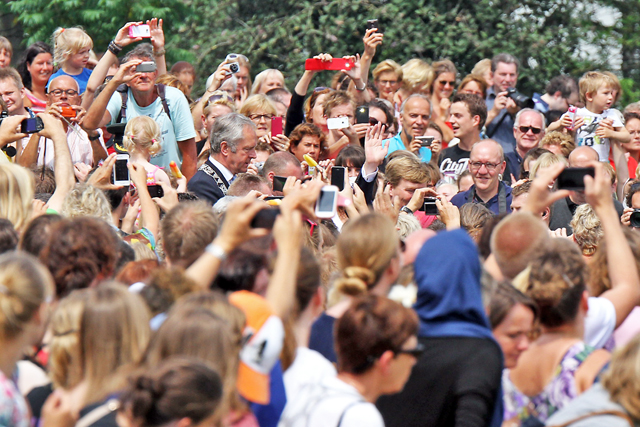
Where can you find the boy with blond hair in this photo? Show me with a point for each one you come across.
(599, 122)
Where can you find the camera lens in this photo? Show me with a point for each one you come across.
(635, 218)
(234, 67)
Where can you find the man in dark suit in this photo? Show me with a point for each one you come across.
(233, 145)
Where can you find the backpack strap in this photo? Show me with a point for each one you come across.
(162, 94)
(124, 94)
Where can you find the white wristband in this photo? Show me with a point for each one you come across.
(216, 251)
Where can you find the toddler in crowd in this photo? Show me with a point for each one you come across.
(71, 50)
(142, 140)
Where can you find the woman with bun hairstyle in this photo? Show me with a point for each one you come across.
(180, 392)
(142, 139)
(368, 257)
(559, 365)
(26, 289)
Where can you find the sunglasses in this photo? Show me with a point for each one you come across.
(373, 122)
(416, 352)
(525, 129)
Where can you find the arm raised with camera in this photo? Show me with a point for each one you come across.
(63, 166)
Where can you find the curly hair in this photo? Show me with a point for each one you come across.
(587, 229)
(562, 140)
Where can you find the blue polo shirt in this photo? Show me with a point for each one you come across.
(396, 144)
(493, 203)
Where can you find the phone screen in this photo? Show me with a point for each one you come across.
(121, 172)
(573, 178)
(362, 114)
(326, 201)
(278, 182)
(29, 126)
(337, 176)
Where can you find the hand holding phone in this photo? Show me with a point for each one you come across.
(573, 178)
(142, 30)
(338, 123)
(336, 64)
(327, 202)
(121, 171)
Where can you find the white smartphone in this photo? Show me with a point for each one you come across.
(338, 123)
(121, 171)
(141, 30)
(327, 203)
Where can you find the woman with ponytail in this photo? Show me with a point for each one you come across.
(368, 256)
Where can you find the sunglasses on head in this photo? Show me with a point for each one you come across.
(525, 129)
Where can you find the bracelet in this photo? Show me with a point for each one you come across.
(159, 52)
(114, 47)
(360, 90)
(216, 251)
(94, 138)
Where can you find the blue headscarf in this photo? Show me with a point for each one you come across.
(449, 302)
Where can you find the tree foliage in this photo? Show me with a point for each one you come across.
(101, 19)
(544, 34)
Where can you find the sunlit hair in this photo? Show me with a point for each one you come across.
(475, 78)
(174, 81)
(587, 229)
(409, 168)
(258, 103)
(263, 76)
(143, 134)
(544, 161)
(416, 74)
(591, 81)
(86, 200)
(621, 379)
(64, 348)
(16, 194)
(362, 255)
(114, 333)
(9, 73)
(335, 99)
(388, 65)
(26, 285)
(310, 103)
(67, 42)
(562, 140)
(599, 280)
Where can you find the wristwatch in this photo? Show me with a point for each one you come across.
(406, 210)
(216, 251)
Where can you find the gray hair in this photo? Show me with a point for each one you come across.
(229, 128)
(141, 51)
(416, 95)
(516, 121)
(506, 58)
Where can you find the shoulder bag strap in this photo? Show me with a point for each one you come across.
(98, 413)
(349, 406)
(162, 94)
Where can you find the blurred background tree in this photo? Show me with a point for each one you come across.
(549, 37)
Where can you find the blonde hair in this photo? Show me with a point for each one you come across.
(587, 229)
(562, 140)
(17, 189)
(86, 200)
(409, 168)
(544, 161)
(67, 42)
(114, 333)
(591, 81)
(388, 65)
(174, 81)
(416, 74)
(256, 103)
(142, 133)
(615, 84)
(363, 255)
(406, 225)
(64, 347)
(481, 67)
(621, 380)
(262, 76)
(25, 284)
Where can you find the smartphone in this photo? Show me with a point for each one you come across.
(372, 23)
(31, 125)
(338, 123)
(337, 176)
(336, 64)
(141, 30)
(573, 178)
(146, 67)
(276, 126)
(429, 206)
(327, 203)
(155, 191)
(362, 114)
(265, 218)
(425, 141)
(278, 182)
(121, 171)
(68, 112)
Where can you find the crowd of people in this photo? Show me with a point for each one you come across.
(167, 260)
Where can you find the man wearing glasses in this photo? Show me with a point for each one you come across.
(486, 165)
(528, 131)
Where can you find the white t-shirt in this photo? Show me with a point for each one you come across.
(600, 322)
(330, 403)
(586, 134)
(309, 367)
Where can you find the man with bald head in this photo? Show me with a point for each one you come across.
(85, 148)
(562, 211)
(486, 164)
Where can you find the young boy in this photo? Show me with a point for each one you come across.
(6, 52)
(599, 122)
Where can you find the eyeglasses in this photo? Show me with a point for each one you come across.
(489, 166)
(525, 129)
(416, 351)
(59, 92)
(259, 117)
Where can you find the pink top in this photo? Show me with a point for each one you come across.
(37, 105)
